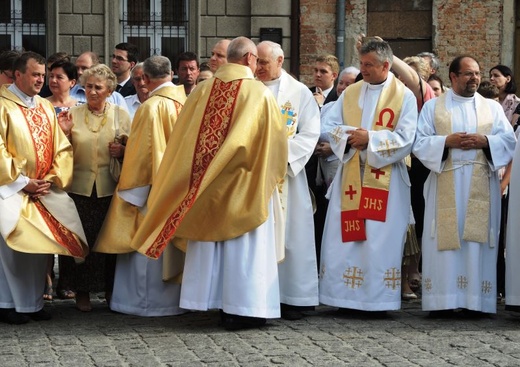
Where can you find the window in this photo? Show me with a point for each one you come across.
(156, 27)
(22, 25)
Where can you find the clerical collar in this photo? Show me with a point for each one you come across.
(273, 82)
(459, 98)
(29, 101)
(381, 83)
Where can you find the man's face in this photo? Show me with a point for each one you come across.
(323, 75)
(373, 70)
(31, 82)
(120, 65)
(218, 55)
(267, 68)
(83, 62)
(188, 72)
(138, 81)
(465, 82)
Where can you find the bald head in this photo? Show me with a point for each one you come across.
(219, 55)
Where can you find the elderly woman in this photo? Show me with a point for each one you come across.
(98, 132)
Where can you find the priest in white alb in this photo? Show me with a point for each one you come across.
(369, 204)
(298, 273)
(463, 138)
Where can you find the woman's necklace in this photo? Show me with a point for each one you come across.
(94, 128)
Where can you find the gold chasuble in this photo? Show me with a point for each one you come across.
(367, 198)
(151, 129)
(476, 223)
(33, 145)
(221, 165)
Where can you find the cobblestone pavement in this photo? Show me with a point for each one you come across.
(324, 338)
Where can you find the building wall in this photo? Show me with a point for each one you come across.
(81, 27)
(474, 27)
(481, 28)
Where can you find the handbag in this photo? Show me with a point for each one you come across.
(115, 163)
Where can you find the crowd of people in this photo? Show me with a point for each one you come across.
(242, 189)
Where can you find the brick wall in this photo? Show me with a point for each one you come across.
(459, 26)
(317, 34)
(468, 27)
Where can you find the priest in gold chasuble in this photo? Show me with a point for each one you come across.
(214, 189)
(369, 204)
(138, 285)
(36, 216)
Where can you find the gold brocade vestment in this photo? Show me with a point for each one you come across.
(221, 166)
(33, 145)
(151, 130)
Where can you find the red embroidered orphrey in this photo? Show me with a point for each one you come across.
(212, 134)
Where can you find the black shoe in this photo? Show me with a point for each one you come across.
(475, 315)
(289, 312)
(41, 315)
(10, 316)
(236, 322)
(442, 314)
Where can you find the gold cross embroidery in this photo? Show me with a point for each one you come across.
(353, 277)
(486, 286)
(336, 134)
(462, 282)
(392, 278)
(387, 148)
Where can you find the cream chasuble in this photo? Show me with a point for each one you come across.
(151, 129)
(33, 146)
(219, 170)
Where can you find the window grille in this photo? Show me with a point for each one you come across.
(22, 25)
(156, 27)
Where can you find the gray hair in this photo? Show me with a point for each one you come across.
(100, 72)
(138, 66)
(348, 70)
(157, 67)
(276, 49)
(381, 48)
(435, 64)
(239, 47)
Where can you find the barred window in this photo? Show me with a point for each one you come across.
(22, 25)
(156, 27)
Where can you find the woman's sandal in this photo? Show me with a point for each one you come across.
(47, 293)
(415, 282)
(66, 294)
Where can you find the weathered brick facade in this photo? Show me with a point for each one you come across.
(473, 27)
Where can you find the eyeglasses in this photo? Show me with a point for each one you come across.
(252, 54)
(119, 58)
(469, 74)
(10, 76)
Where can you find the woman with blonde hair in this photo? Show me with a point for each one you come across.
(98, 131)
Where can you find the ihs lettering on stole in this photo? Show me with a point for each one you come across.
(289, 116)
(387, 148)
